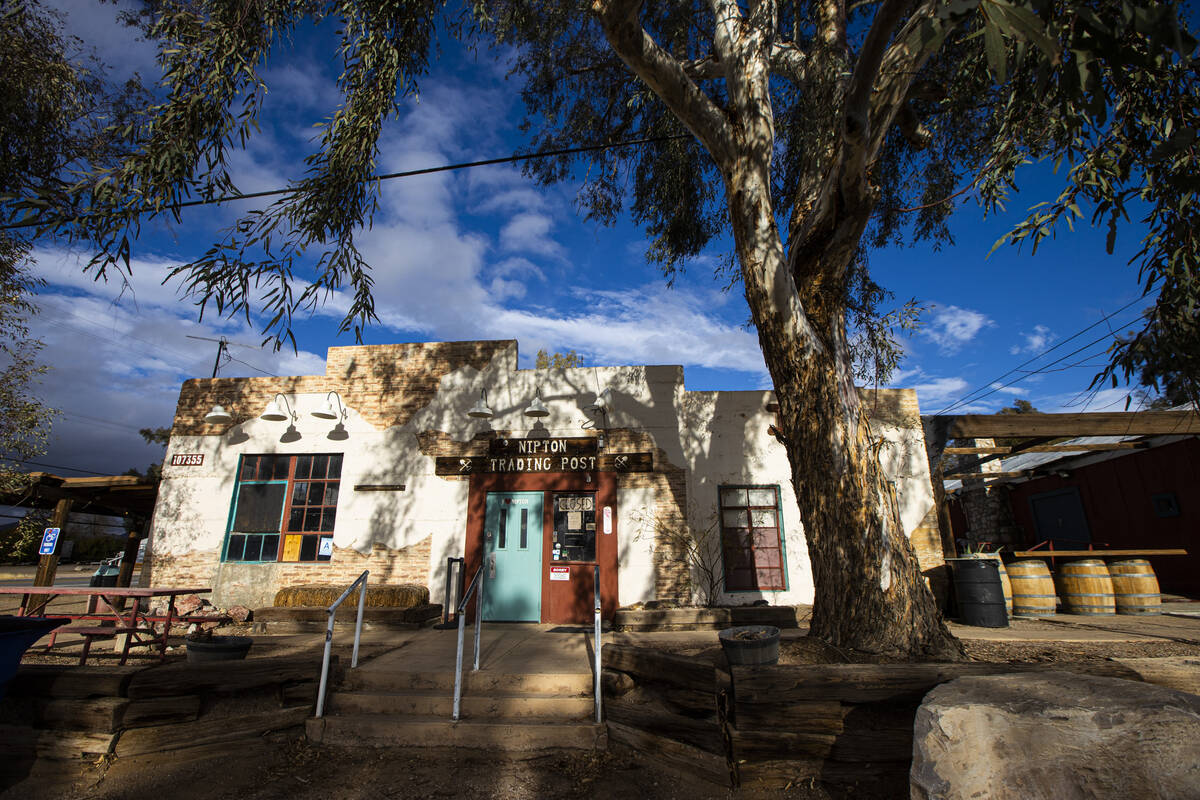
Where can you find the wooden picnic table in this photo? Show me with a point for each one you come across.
(135, 623)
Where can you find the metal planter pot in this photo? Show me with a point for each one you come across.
(218, 648)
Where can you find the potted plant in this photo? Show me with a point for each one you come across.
(203, 646)
(750, 645)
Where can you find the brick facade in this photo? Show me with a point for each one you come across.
(386, 384)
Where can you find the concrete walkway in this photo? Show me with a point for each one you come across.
(505, 648)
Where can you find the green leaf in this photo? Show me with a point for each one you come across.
(997, 57)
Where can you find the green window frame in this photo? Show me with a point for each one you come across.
(284, 508)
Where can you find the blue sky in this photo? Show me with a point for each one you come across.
(486, 253)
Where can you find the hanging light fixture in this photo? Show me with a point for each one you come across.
(328, 412)
(600, 404)
(480, 410)
(218, 416)
(275, 413)
(537, 408)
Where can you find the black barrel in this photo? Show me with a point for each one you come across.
(980, 593)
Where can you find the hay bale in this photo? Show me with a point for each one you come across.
(404, 595)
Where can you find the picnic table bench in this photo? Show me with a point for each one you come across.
(135, 623)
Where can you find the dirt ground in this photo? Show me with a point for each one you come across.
(296, 770)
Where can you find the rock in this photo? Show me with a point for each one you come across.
(239, 613)
(616, 683)
(1056, 736)
(189, 604)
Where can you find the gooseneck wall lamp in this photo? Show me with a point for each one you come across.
(329, 412)
(480, 410)
(537, 409)
(277, 413)
(218, 416)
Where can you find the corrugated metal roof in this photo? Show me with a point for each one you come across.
(1029, 461)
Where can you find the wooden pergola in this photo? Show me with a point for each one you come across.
(1040, 432)
(117, 495)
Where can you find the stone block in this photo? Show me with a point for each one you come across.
(1055, 736)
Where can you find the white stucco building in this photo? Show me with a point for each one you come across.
(378, 464)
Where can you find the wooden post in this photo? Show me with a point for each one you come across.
(48, 565)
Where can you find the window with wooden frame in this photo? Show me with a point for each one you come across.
(750, 538)
(284, 508)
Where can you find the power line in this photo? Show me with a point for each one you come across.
(510, 159)
(57, 466)
(251, 366)
(971, 397)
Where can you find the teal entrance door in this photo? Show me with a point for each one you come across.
(512, 557)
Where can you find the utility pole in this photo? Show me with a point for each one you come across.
(220, 350)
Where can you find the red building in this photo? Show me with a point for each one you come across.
(1146, 498)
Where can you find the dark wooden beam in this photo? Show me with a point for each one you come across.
(962, 476)
(1127, 423)
(1047, 448)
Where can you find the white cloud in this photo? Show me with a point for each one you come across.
(1014, 389)
(950, 327)
(115, 44)
(1111, 399)
(529, 232)
(939, 392)
(645, 325)
(1034, 342)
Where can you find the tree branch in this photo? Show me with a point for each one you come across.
(665, 76)
(900, 65)
(786, 60)
(870, 57)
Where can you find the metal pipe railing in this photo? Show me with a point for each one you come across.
(362, 597)
(596, 647)
(476, 584)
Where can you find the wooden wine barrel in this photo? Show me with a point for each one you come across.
(1032, 588)
(1086, 588)
(1135, 587)
(1005, 583)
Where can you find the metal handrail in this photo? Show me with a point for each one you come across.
(476, 583)
(597, 643)
(362, 596)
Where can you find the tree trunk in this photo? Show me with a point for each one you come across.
(870, 594)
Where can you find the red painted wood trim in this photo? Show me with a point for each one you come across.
(562, 601)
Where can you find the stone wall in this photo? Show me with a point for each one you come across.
(986, 507)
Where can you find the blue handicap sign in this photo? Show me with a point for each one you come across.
(49, 541)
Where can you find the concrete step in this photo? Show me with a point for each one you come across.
(475, 683)
(441, 705)
(383, 730)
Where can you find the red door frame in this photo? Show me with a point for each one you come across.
(562, 601)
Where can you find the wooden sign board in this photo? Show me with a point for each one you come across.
(556, 446)
(541, 463)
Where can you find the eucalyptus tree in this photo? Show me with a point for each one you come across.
(811, 131)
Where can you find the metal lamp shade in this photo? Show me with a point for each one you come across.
(218, 416)
(597, 406)
(274, 413)
(327, 412)
(537, 408)
(480, 410)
